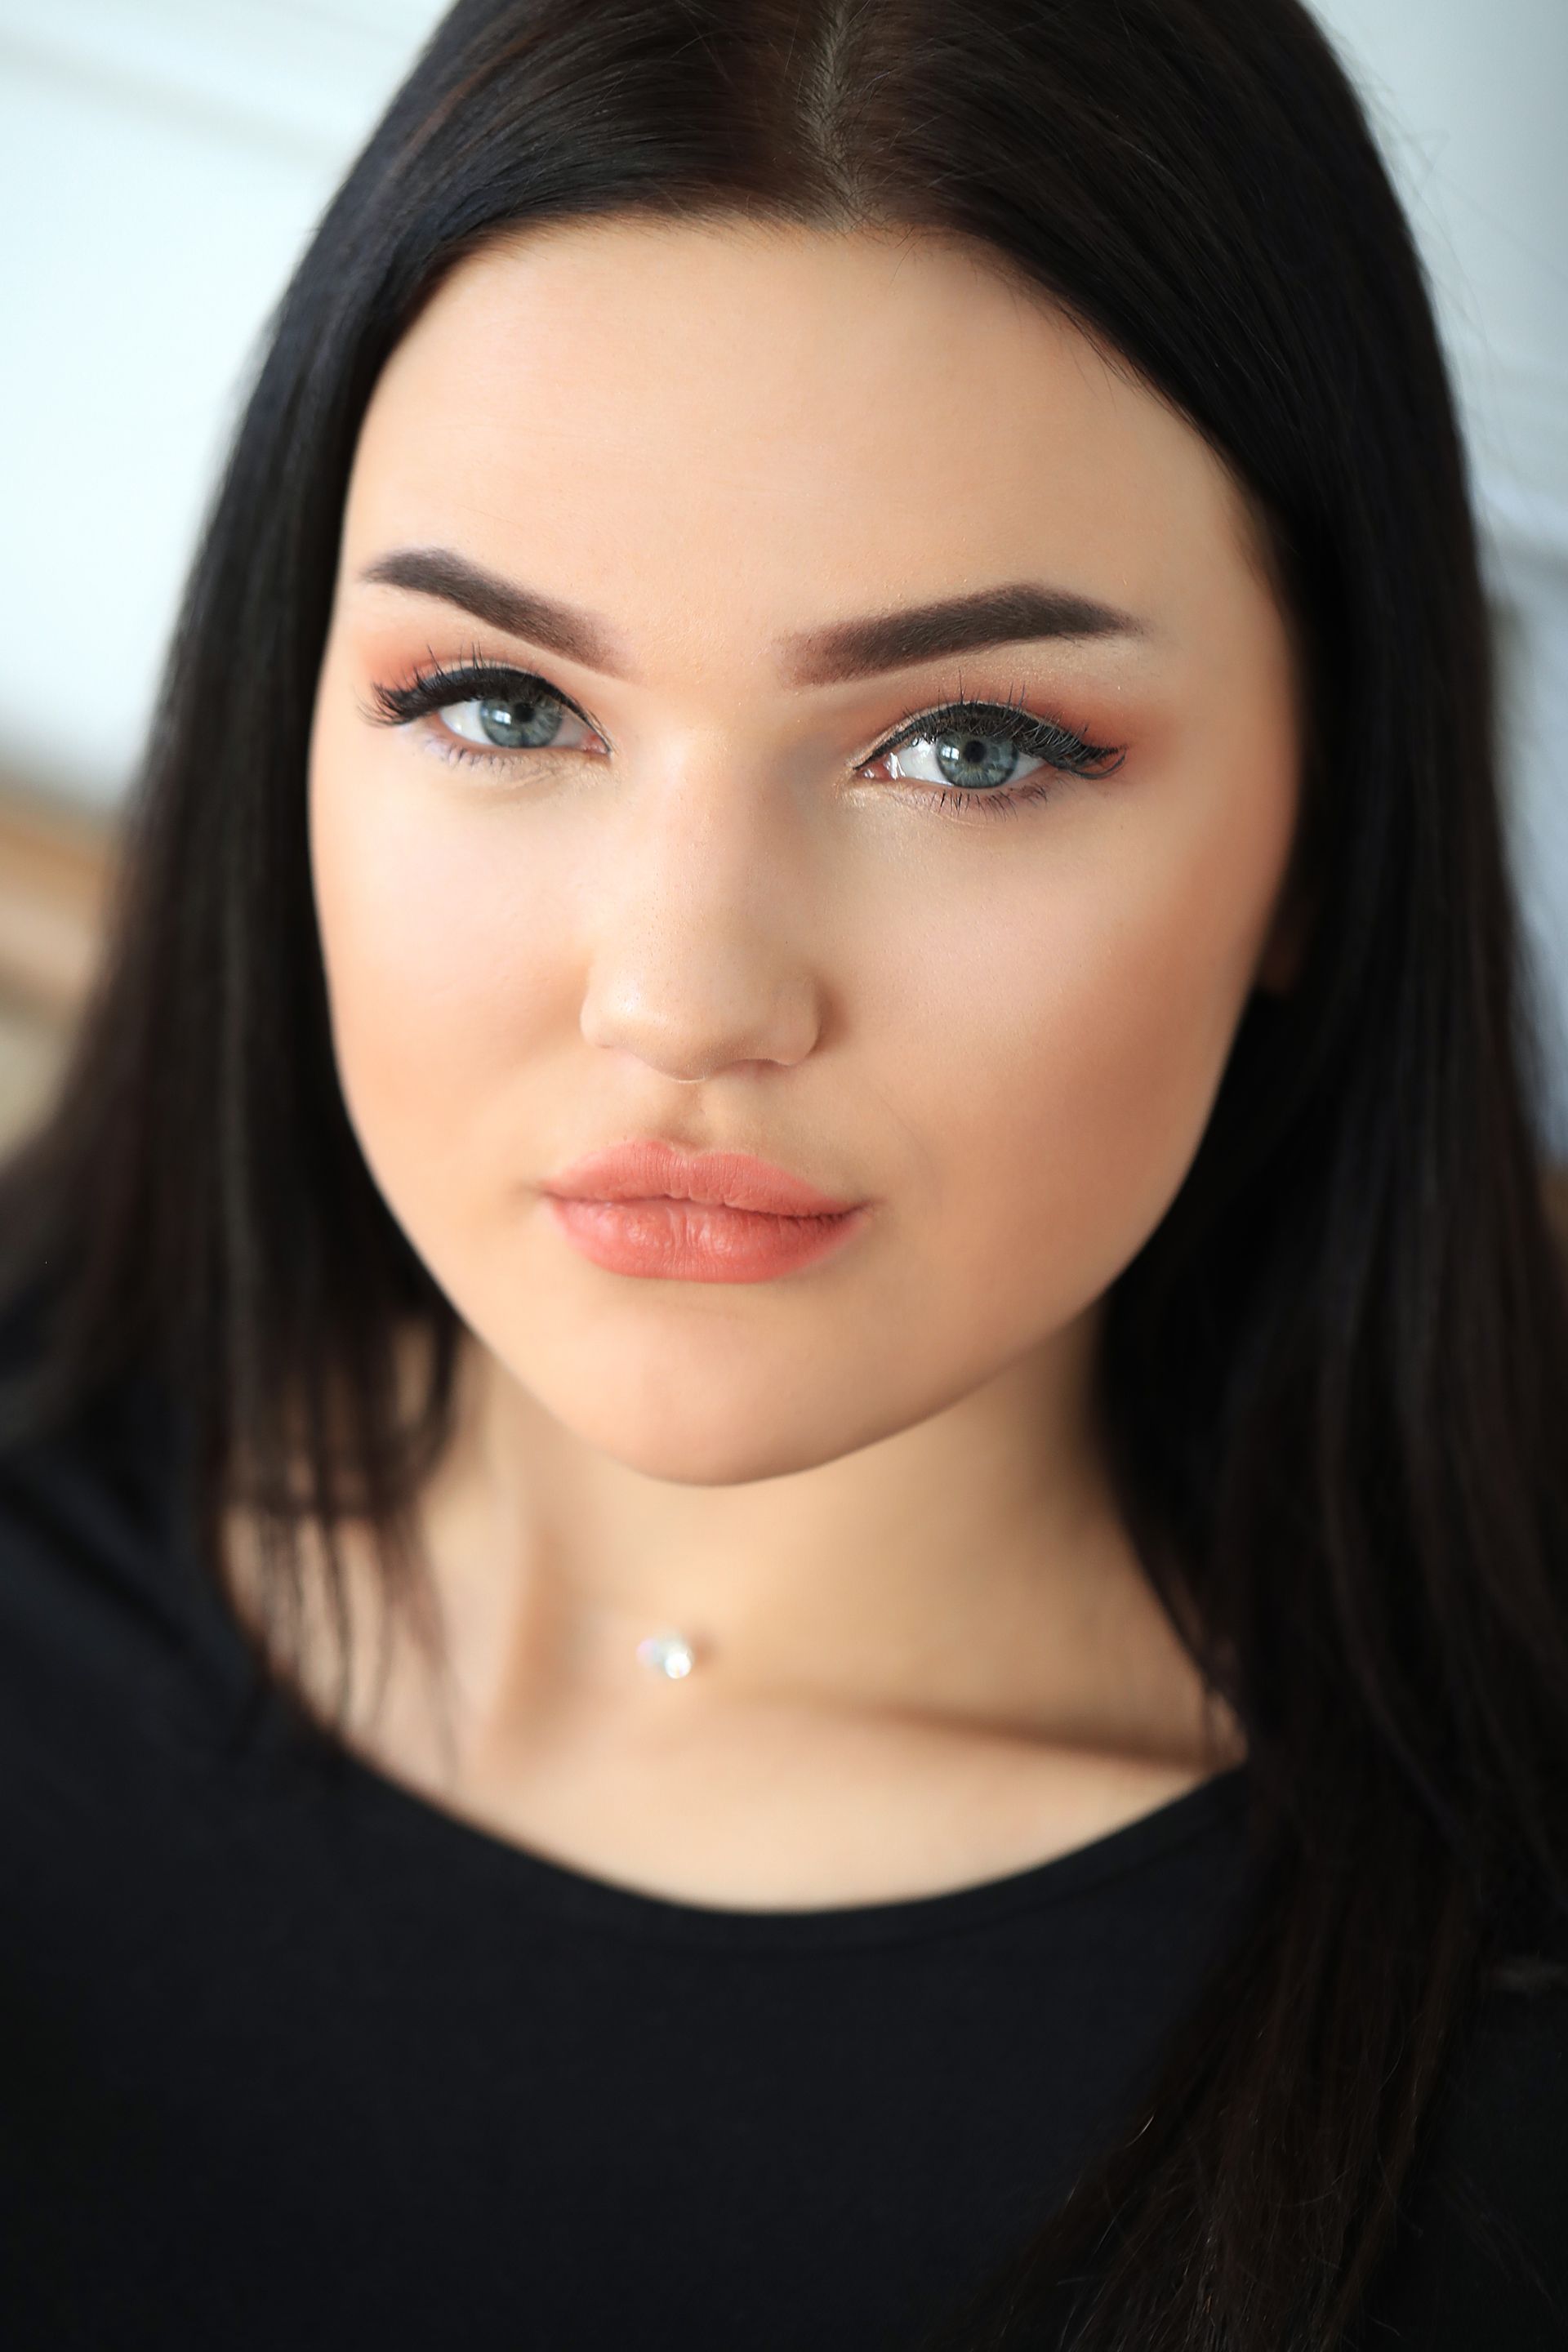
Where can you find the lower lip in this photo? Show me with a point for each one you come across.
(692, 1241)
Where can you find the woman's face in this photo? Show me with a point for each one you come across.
(695, 897)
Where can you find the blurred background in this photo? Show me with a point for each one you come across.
(163, 162)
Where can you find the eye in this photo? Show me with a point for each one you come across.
(520, 722)
(973, 754)
(492, 708)
(983, 750)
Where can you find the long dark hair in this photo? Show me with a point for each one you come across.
(1335, 1380)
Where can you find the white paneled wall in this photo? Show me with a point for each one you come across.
(162, 162)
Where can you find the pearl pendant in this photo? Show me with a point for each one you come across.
(666, 1653)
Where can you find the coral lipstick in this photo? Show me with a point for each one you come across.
(644, 1208)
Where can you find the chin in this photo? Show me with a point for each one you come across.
(721, 1425)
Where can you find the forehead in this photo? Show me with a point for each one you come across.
(708, 415)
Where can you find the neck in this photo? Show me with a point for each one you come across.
(971, 1569)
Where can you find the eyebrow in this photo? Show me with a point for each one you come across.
(823, 656)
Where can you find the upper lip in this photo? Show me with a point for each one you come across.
(646, 1169)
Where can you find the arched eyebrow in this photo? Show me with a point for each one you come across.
(956, 624)
(1005, 615)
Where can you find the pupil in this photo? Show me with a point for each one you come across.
(515, 725)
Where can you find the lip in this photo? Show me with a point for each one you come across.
(648, 1168)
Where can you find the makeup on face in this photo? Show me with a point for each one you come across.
(981, 753)
(645, 1208)
(677, 681)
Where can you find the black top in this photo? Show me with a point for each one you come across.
(292, 2058)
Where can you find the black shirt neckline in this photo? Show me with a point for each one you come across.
(1214, 1807)
(582, 1898)
(404, 1814)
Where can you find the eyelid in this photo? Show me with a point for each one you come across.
(959, 706)
(431, 688)
(1020, 722)
(478, 672)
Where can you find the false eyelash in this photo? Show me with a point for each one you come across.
(1043, 739)
(429, 689)
(1064, 752)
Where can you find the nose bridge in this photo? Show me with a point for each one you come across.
(713, 821)
(699, 948)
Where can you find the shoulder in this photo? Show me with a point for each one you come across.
(1481, 2256)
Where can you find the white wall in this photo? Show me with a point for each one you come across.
(1470, 98)
(162, 162)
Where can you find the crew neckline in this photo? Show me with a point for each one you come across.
(581, 1898)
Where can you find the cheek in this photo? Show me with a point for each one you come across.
(445, 962)
(1070, 1051)
(1035, 1039)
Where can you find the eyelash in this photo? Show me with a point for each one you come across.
(1065, 752)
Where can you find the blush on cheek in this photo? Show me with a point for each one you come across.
(1081, 1119)
(434, 997)
(434, 958)
(1096, 1167)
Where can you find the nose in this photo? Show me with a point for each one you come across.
(700, 925)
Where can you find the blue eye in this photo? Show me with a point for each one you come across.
(968, 757)
(482, 703)
(967, 753)
(510, 722)
(974, 749)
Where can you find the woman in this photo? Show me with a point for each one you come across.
(957, 1737)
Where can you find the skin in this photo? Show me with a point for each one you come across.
(872, 1490)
